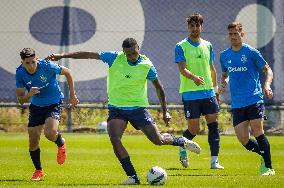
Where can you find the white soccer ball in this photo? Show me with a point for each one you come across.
(156, 176)
(102, 127)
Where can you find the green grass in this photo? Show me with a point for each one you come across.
(91, 163)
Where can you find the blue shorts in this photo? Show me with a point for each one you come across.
(195, 108)
(248, 113)
(38, 115)
(138, 117)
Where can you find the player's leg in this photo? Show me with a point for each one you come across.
(192, 112)
(142, 119)
(241, 126)
(116, 128)
(210, 108)
(51, 132)
(256, 113)
(34, 149)
(35, 126)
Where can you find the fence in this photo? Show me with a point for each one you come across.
(58, 26)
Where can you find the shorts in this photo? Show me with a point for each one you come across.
(247, 113)
(138, 117)
(195, 108)
(38, 114)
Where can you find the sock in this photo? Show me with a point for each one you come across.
(187, 134)
(128, 168)
(59, 141)
(253, 146)
(213, 159)
(214, 138)
(35, 156)
(178, 141)
(264, 147)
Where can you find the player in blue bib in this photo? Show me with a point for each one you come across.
(38, 78)
(242, 64)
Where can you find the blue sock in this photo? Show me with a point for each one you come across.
(178, 141)
(128, 168)
(264, 147)
(214, 138)
(253, 146)
(59, 141)
(187, 134)
(35, 156)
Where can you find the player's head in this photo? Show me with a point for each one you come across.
(195, 25)
(131, 49)
(29, 60)
(235, 33)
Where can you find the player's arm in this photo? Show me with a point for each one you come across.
(23, 97)
(198, 80)
(268, 80)
(224, 82)
(214, 77)
(74, 55)
(67, 73)
(162, 98)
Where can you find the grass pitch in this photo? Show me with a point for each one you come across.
(92, 163)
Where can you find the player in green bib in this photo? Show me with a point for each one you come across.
(127, 100)
(194, 57)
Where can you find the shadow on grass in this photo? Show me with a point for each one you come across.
(183, 169)
(198, 175)
(12, 180)
(94, 184)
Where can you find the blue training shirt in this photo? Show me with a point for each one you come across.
(243, 68)
(44, 78)
(108, 57)
(194, 95)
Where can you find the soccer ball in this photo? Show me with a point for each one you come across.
(156, 176)
(102, 127)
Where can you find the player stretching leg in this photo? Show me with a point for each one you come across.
(127, 100)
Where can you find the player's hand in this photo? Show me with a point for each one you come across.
(54, 57)
(218, 98)
(268, 91)
(73, 101)
(34, 90)
(221, 89)
(167, 117)
(198, 80)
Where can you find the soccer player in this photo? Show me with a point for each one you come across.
(127, 100)
(38, 77)
(242, 64)
(194, 57)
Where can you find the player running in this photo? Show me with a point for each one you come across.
(38, 77)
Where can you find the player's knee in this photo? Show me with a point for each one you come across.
(115, 140)
(33, 144)
(50, 134)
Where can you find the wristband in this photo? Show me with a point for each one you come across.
(216, 89)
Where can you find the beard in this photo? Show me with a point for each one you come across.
(194, 35)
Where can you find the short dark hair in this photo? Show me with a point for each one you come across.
(236, 25)
(195, 17)
(27, 52)
(129, 42)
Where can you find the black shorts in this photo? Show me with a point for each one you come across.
(195, 108)
(138, 117)
(38, 115)
(248, 113)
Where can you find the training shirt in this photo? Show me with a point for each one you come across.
(243, 68)
(44, 78)
(200, 94)
(108, 57)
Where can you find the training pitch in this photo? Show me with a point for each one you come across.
(91, 162)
